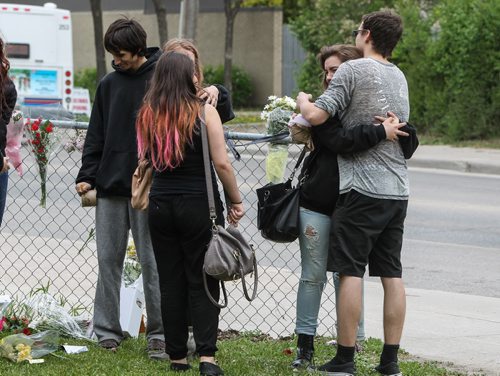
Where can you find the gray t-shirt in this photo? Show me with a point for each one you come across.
(360, 90)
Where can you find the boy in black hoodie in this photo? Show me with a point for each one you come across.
(108, 163)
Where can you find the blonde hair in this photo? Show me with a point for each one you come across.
(180, 44)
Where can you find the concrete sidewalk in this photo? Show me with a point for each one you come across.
(484, 161)
(444, 326)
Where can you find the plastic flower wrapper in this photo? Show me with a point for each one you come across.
(76, 142)
(20, 347)
(277, 154)
(44, 140)
(15, 130)
(131, 267)
(300, 131)
(47, 314)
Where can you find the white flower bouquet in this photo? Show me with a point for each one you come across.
(277, 114)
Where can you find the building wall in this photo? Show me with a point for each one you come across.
(257, 46)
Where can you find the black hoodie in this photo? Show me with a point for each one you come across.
(110, 152)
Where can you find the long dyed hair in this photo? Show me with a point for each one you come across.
(166, 120)
(180, 44)
(4, 68)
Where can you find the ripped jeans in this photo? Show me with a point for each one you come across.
(313, 240)
(314, 247)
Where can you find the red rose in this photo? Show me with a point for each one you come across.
(38, 135)
(34, 127)
(27, 331)
(49, 128)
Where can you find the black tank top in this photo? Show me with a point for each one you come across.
(189, 177)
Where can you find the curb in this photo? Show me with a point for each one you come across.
(460, 166)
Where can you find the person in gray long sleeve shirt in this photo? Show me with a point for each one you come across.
(366, 87)
(368, 221)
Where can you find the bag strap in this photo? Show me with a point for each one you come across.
(297, 164)
(206, 163)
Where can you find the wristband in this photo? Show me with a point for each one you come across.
(236, 203)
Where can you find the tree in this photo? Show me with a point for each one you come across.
(231, 9)
(100, 58)
(189, 17)
(161, 18)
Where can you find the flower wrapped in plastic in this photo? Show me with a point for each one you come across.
(15, 130)
(20, 347)
(76, 142)
(277, 113)
(42, 141)
(131, 267)
(300, 131)
(47, 314)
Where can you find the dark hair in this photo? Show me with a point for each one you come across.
(4, 68)
(166, 120)
(385, 28)
(127, 35)
(344, 52)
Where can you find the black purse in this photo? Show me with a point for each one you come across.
(278, 208)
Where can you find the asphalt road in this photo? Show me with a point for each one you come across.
(452, 234)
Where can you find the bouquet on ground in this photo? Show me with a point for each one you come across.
(47, 314)
(15, 130)
(42, 141)
(21, 347)
(277, 114)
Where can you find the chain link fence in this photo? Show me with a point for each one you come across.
(54, 248)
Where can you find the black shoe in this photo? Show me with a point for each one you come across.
(210, 369)
(180, 367)
(305, 353)
(333, 369)
(389, 369)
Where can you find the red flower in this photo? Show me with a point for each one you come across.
(49, 128)
(35, 142)
(27, 331)
(287, 351)
(41, 149)
(2, 321)
(38, 135)
(34, 127)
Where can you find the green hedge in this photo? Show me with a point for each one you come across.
(242, 84)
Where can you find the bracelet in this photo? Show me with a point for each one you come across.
(236, 203)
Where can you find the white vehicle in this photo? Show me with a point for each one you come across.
(39, 46)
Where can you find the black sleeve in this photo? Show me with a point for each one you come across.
(224, 105)
(94, 143)
(339, 140)
(10, 94)
(10, 99)
(409, 143)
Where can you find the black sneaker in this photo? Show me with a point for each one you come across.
(334, 369)
(389, 369)
(210, 369)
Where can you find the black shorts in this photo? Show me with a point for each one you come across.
(367, 231)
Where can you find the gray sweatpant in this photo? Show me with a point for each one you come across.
(114, 218)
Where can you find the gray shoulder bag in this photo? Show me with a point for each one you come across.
(229, 256)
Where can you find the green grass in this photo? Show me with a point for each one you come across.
(239, 354)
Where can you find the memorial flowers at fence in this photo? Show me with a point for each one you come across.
(277, 114)
(76, 142)
(42, 142)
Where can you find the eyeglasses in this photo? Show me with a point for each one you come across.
(356, 32)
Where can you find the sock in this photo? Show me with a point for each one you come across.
(389, 354)
(344, 354)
